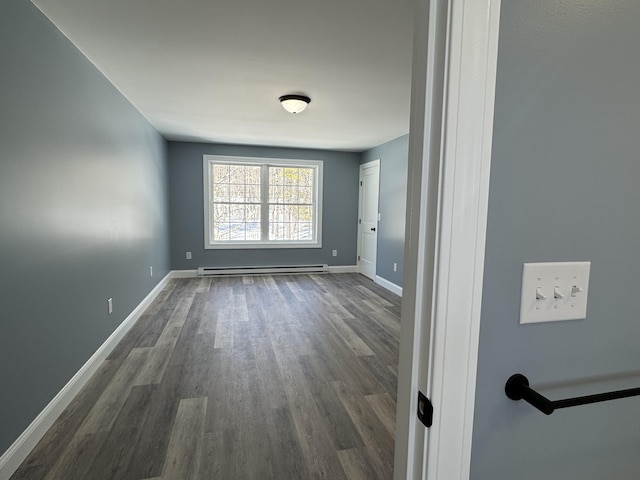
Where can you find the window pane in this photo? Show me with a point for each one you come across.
(236, 202)
(305, 195)
(236, 213)
(276, 213)
(305, 214)
(305, 231)
(288, 194)
(253, 194)
(276, 194)
(291, 185)
(291, 176)
(219, 221)
(306, 177)
(220, 213)
(290, 223)
(236, 174)
(237, 231)
(252, 175)
(291, 213)
(221, 231)
(236, 222)
(220, 192)
(253, 231)
(276, 225)
(236, 193)
(253, 213)
(276, 232)
(276, 176)
(220, 173)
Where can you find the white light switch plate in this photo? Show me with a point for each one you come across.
(554, 291)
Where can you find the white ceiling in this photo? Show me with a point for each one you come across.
(212, 70)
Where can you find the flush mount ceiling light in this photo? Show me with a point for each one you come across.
(294, 103)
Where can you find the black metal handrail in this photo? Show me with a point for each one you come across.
(517, 388)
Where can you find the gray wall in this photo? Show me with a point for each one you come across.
(564, 187)
(83, 212)
(339, 212)
(393, 157)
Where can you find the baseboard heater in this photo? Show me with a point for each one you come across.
(271, 270)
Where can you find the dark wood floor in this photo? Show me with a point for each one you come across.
(283, 377)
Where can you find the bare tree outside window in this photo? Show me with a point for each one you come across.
(257, 202)
(236, 199)
(290, 203)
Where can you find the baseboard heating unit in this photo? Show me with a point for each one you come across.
(272, 270)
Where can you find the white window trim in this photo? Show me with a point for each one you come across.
(209, 160)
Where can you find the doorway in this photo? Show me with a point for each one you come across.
(368, 218)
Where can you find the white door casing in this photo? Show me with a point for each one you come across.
(368, 218)
(453, 88)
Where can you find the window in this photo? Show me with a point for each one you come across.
(262, 203)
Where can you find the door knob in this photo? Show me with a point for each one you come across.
(373, 229)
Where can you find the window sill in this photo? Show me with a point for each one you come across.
(261, 246)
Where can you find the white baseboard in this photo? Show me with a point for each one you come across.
(392, 287)
(343, 269)
(16, 454)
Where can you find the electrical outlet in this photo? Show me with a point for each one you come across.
(334, 253)
(395, 267)
(151, 271)
(110, 306)
(188, 255)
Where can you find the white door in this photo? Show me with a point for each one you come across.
(453, 86)
(368, 218)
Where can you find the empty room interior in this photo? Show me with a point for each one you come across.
(148, 142)
(217, 256)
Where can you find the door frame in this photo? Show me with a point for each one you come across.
(363, 166)
(453, 91)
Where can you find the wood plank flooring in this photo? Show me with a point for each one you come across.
(270, 377)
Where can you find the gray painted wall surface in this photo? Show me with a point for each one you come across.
(394, 156)
(564, 187)
(83, 212)
(339, 213)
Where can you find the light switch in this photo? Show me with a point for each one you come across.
(554, 291)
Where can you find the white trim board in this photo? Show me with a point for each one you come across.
(450, 154)
(464, 197)
(20, 449)
(392, 287)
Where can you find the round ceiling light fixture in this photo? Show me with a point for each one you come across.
(294, 103)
